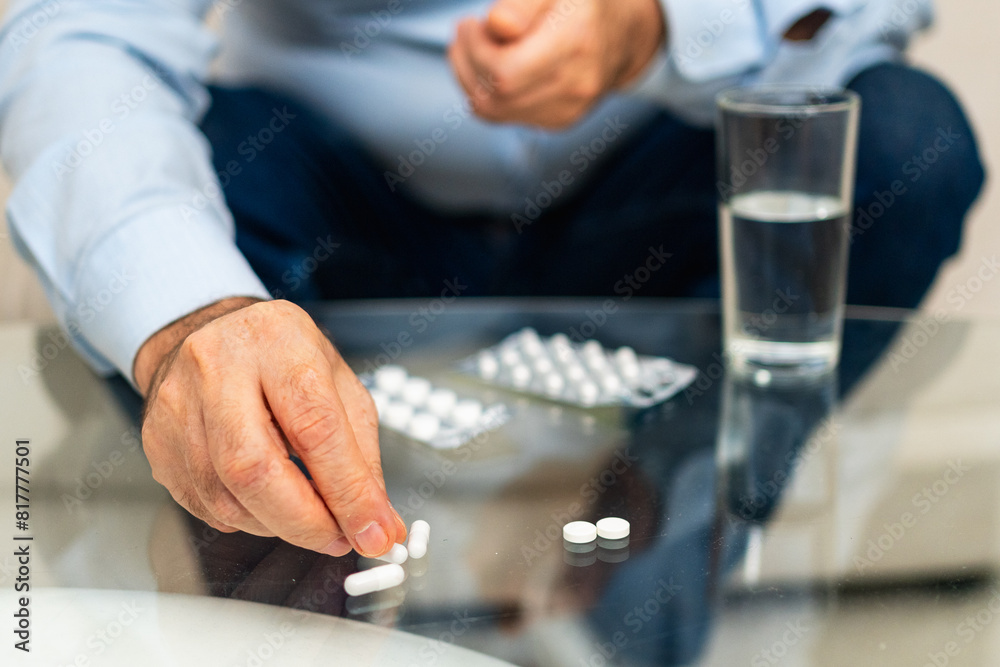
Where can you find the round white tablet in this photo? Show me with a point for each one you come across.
(424, 426)
(542, 365)
(554, 384)
(579, 532)
(390, 379)
(441, 402)
(510, 356)
(416, 391)
(612, 528)
(592, 349)
(398, 415)
(520, 376)
(611, 384)
(488, 366)
(588, 393)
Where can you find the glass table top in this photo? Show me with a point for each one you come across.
(848, 521)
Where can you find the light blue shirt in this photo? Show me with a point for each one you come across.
(116, 202)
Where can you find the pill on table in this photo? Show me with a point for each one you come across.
(420, 534)
(424, 426)
(611, 384)
(592, 349)
(441, 402)
(376, 579)
(542, 365)
(467, 413)
(416, 390)
(626, 356)
(596, 362)
(487, 365)
(579, 532)
(520, 376)
(588, 393)
(390, 379)
(575, 373)
(397, 554)
(510, 356)
(398, 415)
(554, 384)
(612, 528)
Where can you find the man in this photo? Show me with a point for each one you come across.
(384, 147)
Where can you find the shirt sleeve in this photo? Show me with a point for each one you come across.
(115, 202)
(715, 44)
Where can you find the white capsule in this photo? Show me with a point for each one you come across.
(416, 391)
(588, 393)
(398, 415)
(420, 534)
(487, 365)
(520, 376)
(424, 426)
(397, 554)
(381, 400)
(579, 532)
(542, 365)
(467, 413)
(376, 579)
(441, 402)
(390, 379)
(554, 384)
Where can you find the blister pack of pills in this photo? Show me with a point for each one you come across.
(435, 416)
(582, 374)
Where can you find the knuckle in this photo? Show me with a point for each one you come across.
(227, 511)
(348, 492)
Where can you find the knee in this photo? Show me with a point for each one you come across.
(913, 134)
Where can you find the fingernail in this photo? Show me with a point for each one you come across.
(372, 541)
(338, 547)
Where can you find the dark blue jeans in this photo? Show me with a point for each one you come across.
(316, 219)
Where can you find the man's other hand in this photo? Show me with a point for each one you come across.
(548, 62)
(231, 391)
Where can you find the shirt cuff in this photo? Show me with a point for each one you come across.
(151, 271)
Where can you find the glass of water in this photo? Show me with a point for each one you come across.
(786, 162)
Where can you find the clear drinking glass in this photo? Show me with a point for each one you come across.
(786, 162)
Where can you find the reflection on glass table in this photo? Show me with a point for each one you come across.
(847, 520)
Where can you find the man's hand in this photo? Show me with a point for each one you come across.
(231, 390)
(548, 62)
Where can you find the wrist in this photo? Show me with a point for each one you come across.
(158, 347)
(645, 33)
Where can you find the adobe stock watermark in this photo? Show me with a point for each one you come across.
(914, 169)
(249, 149)
(635, 620)
(548, 192)
(365, 34)
(86, 311)
(434, 649)
(452, 120)
(100, 641)
(300, 272)
(794, 632)
(93, 137)
(268, 647)
(967, 631)
(28, 27)
(419, 321)
(590, 492)
(923, 502)
(924, 330)
(625, 288)
(101, 471)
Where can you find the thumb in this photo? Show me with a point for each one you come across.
(512, 19)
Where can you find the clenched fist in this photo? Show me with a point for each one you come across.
(548, 62)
